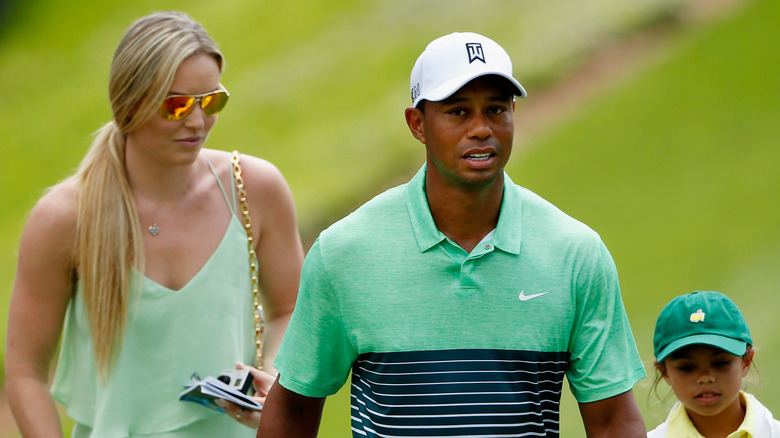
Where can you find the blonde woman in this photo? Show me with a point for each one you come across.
(139, 261)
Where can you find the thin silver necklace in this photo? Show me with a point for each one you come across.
(154, 228)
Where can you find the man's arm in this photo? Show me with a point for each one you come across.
(289, 414)
(617, 417)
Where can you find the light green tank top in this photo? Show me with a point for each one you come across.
(204, 327)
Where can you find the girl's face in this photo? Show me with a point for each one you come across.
(707, 381)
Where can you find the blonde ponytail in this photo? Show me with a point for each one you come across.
(109, 237)
(109, 242)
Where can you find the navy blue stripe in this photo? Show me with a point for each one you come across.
(457, 393)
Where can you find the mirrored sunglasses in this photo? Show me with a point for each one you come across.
(178, 106)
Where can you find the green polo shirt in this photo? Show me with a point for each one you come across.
(425, 326)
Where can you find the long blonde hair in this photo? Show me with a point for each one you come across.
(109, 239)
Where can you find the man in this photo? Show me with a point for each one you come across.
(458, 300)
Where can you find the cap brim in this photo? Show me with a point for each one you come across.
(733, 346)
(451, 86)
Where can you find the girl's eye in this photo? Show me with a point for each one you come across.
(721, 363)
(685, 368)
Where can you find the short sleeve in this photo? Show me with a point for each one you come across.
(604, 360)
(315, 356)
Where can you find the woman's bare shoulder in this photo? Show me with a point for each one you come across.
(259, 175)
(262, 174)
(55, 215)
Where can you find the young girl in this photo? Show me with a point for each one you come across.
(703, 349)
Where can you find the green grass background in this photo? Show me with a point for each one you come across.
(674, 165)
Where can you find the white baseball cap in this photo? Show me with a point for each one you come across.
(450, 62)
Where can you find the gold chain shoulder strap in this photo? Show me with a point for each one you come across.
(257, 306)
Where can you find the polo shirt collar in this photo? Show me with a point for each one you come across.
(507, 234)
(509, 228)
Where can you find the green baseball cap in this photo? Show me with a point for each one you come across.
(701, 318)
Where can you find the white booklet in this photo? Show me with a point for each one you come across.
(231, 385)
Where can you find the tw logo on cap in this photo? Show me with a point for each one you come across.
(415, 91)
(475, 52)
(697, 316)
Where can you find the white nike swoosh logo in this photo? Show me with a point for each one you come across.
(524, 297)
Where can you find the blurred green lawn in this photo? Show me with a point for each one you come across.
(673, 166)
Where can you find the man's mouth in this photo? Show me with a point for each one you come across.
(478, 157)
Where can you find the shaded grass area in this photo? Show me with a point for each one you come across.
(674, 168)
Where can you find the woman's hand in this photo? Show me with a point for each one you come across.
(262, 382)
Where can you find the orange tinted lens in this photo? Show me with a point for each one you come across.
(214, 102)
(177, 107)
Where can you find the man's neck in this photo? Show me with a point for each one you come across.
(465, 216)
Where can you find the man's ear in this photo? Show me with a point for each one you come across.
(414, 119)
